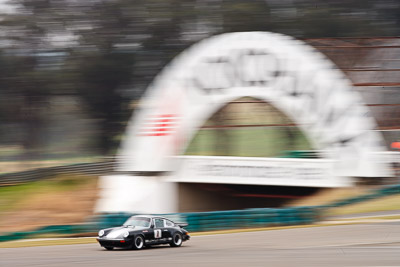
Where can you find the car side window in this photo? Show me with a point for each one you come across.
(159, 223)
(168, 223)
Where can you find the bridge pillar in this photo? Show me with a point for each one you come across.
(137, 194)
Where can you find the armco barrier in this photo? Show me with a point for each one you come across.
(103, 221)
(52, 229)
(198, 221)
(222, 220)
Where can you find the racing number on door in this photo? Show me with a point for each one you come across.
(157, 233)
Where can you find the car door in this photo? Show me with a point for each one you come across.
(169, 229)
(159, 227)
(149, 233)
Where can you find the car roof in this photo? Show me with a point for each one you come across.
(150, 216)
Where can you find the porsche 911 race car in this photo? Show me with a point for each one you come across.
(144, 230)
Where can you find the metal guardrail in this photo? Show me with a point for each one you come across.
(250, 218)
(51, 229)
(198, 221)
(95, 168)
(223, 220)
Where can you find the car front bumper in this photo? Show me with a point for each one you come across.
(104, 242)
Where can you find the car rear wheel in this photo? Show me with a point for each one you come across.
(138, 242)
(109, 248)
(176, 240)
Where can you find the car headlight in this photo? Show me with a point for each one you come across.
(101, 232)
(126, 234)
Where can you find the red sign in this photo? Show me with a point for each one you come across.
(161, 125)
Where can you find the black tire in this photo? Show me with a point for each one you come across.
(109, 248)
(176, 240)
(138, 242)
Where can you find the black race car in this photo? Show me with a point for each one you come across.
(144, 230)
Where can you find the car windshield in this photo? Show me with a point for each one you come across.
(138, 221)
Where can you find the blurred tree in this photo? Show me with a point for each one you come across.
(240, 16)
(105, 67)
(103, 76)
(24, 82)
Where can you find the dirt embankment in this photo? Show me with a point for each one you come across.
(60, 201)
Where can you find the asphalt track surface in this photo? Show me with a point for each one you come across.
(373, 244)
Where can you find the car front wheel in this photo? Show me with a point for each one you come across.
(176, 240)
(138, 242)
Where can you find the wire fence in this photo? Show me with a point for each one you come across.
(95, 168)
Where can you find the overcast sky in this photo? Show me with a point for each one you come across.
(4, 7)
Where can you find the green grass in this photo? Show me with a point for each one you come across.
(11, 196)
